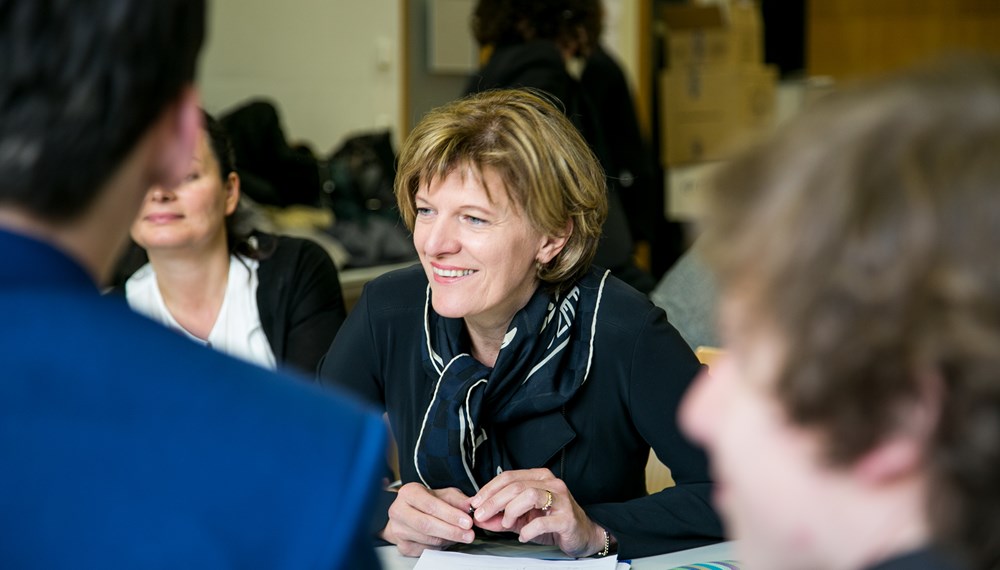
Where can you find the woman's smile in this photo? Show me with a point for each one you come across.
(445, 274)
(162, 217)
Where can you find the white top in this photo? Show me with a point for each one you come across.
(237, 330)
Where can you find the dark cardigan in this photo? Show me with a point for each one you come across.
(300, 301)
(598, 444)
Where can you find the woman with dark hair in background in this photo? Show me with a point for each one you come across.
(272, 300)
(543, 45)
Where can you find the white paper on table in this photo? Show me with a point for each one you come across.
(443, 560)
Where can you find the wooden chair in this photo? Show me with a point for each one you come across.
(707, 355)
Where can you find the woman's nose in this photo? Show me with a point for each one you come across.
(441, 238)
(160, 194)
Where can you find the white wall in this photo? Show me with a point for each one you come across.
(621, 25)
(335, 66)
(332, 66)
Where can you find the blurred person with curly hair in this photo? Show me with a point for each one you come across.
(854, 420)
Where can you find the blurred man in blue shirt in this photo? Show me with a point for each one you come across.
(162, 454)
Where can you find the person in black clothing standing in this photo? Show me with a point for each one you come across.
(543, 45)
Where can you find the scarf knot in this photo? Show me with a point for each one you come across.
(544, 359)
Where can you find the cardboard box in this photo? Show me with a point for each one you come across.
(685, 188)
(706, 112)
(713, 35)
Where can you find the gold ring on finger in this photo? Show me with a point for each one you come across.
(548, 500)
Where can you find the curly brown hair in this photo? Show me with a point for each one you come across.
(497, 22)
(863, 234)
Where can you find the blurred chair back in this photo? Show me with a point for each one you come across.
(707, 355)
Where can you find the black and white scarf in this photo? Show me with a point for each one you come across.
(544, 359)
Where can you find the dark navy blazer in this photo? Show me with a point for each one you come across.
(124, 445)
(598, 444)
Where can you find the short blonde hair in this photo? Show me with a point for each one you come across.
(548, 171)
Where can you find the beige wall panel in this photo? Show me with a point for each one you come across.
(847, 39)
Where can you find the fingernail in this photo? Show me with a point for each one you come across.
(475, 502)
(465, 522)
(469, 537)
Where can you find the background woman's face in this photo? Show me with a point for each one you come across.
(191, 215)
(479, 254)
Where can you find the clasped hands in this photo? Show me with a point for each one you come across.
(530, 502)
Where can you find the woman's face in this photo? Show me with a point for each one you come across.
(192, 215)
(479, 255)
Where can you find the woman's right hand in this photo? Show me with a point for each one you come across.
(422, 518)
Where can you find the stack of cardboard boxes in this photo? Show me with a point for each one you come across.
(715, 94)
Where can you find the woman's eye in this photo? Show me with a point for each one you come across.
(423, 212)
(191, 177)
(475, 221)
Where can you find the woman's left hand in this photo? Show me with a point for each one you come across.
(538, 506)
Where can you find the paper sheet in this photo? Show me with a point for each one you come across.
(718, 565)
(443, 560)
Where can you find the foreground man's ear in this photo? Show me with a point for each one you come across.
(176, 131)
(902, 451)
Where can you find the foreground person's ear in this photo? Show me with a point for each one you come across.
(176, 134)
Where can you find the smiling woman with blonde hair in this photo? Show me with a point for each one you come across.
(524, 386)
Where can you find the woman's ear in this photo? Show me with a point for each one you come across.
(232, 192)
(552, 245)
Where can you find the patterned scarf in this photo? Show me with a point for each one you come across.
(544, 359)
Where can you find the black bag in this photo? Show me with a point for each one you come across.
(360, 175)
(357, 186)
(271, 171)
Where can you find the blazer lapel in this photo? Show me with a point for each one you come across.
(533, 442)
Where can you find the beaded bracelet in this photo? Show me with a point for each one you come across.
(607, 545)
